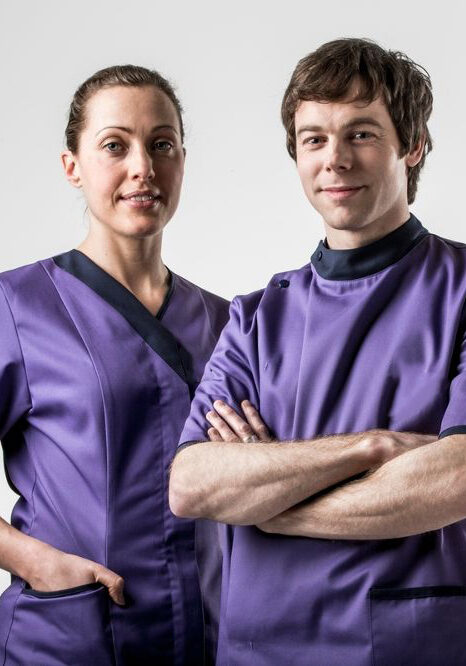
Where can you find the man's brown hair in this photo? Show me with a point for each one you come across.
(327, 74)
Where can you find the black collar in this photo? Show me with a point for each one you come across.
(144, 322)
(370, 259)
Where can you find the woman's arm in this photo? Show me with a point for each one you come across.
(47, 569)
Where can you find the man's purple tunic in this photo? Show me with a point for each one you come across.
(94, 391)
(357, 339)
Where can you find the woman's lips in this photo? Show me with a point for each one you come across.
(141, 201)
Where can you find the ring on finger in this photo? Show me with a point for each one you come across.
(250, 439)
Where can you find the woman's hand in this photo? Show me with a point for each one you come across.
(51, 569)
(229, 426)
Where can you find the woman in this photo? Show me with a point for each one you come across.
(101, 349)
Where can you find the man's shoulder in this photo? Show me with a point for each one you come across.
(448, 242)
(446, 253)
(270, 298)
(279, 282)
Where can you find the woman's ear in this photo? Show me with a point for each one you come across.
(71, 168)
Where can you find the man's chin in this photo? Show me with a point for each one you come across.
(345, 223)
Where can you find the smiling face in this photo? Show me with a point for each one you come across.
(348, 159)
(130, 160)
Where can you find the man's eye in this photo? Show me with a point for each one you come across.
(363, 135)
(113, 147)
(163, 146)
(313, 140)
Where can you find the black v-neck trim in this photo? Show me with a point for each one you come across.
(136, 314)
(369, 259)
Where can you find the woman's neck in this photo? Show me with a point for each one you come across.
(135, 262)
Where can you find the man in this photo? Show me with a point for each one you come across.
(367, 340)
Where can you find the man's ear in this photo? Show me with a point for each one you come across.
(415, 155)
(71, 168)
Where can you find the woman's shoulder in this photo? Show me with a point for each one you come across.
(213, 306)
(189, 287)
(23, 284)
(21, 276)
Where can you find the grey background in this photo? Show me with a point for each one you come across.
(242, 216)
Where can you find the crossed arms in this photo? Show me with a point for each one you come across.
(417, 483)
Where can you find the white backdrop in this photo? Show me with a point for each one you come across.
(242, 216)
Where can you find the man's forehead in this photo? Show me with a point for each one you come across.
(342, 112)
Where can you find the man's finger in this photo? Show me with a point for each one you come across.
(220, 424)
(214, 435)
(113, 582)
(238, 425)
(255, 421)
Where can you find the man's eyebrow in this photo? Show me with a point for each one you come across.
(361, 120)
(128, 130)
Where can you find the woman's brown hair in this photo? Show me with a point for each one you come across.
(120, 75)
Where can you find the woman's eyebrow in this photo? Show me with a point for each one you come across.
(130, 131)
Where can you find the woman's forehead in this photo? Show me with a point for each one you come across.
(124, 106)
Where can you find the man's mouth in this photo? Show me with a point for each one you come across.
(342, 191)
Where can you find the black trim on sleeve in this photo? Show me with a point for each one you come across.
(387, 594)
(455, 430)
(186, 444)
(136, 314)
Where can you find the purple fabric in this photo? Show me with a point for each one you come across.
(90, 417)
(322, 356)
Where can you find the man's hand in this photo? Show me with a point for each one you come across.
(388, 444)
(242, 477)
(229, 426)
(50, 569)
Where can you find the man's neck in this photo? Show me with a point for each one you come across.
(350, 239)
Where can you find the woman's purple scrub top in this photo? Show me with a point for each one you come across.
(94, 391)
(355, 340)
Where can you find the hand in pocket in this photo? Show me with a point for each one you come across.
(56, 570)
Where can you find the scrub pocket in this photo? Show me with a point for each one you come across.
(419, 626)
(63, 627)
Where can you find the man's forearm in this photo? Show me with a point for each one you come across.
(419, 491)
(244, 484)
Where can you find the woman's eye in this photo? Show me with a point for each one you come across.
(113, 147)
(163, 146)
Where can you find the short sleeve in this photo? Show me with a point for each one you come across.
(14, 392)
(454, 418)
(231, 374)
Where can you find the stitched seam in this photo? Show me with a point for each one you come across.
(19, 593)
(19, 344)
(11, 626)
(33, 507)
(369, 601)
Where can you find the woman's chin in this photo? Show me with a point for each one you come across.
(139, 228)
